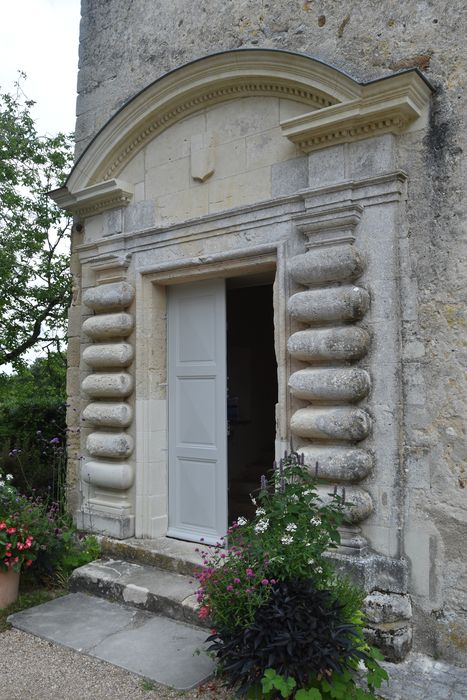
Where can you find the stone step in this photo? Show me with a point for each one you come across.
(162, 552)
(140, 586)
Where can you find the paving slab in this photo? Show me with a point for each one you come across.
(153, 646)
(139, 585)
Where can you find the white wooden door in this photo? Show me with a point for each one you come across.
(197, 411)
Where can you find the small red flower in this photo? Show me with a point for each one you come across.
(10, 530)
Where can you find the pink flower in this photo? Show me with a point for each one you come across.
(28, 562)
(2, 526)
(250, 573)
(204, 612)
(265, 582)
(229, 587)
(237, 580)
(10, 530)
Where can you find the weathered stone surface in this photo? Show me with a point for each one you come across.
(117, 295)
(338, 463)
(104, 326)
(395, 644)
(110, 475)
(106, 386)
(108, 415)
(332, 264)
(382, 608)
(352, 424)
(330, 385)
(347, 303)
(114, 445)
(347, 343)
(114, 355)
(358, 502)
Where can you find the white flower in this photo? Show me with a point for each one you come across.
(2, 483)
(311, 561)
(318, 570)
(308, 492)
(9, 477)
(287, 539)
(315, 520)
(294, 498)
(291, 527)
(241, 521)
(260, 511)
(253, 500)
(262, 525)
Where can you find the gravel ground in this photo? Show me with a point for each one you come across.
(35, 669)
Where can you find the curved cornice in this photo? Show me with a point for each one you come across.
(345, 106)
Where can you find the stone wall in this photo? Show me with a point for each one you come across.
(127, 44)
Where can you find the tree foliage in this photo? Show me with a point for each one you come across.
(35, 283)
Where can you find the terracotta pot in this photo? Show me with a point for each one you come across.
(9, 584)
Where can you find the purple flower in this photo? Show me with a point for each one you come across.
(250, 573)
(55, 441)
(264, 582)
(229, 587)
(237, 580)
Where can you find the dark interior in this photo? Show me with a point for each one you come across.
(251, 390)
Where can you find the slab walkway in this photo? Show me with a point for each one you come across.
(39, 667)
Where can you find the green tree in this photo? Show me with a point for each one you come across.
(35, 283)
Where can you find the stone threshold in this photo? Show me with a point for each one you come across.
(140, 586)
(162, 552)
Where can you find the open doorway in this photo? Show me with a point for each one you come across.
(251, 387)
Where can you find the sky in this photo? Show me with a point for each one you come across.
(40, 37)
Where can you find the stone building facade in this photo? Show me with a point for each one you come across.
(266, 251)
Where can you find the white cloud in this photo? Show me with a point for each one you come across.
(40, 37)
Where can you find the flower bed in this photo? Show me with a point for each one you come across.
(284, 624)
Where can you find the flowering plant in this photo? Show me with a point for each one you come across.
(284, 622)
(287, 539)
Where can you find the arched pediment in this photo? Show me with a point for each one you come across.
(336, 108)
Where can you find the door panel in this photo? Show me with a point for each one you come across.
(197, 411)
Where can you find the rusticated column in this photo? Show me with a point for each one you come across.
(330, 428)
(108, 472)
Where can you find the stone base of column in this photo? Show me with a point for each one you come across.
(121, 527)
(373, 571)
(389, 624)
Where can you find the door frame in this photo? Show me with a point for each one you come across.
(151, 406)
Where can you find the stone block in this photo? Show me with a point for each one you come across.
(168, 178)
(327, 166)
(337, 463)
(330, 385)
(337, 263)
(108, 415)
(358, 502)
(289, 177)
(239, 190)
(108, 475)
(139, 216)
(268, 147)
(395, 644)
(106, 386)
(113, 222)
(115, 295)
(346, 303)
(102, 356)
(375, 155)
(343, 343)
(113, 445)
(343, 423)
(382, 608)
(103, 326)
(112, 525)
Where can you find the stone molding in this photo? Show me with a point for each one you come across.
(343, 110)
(384, 106)
(95, 199)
